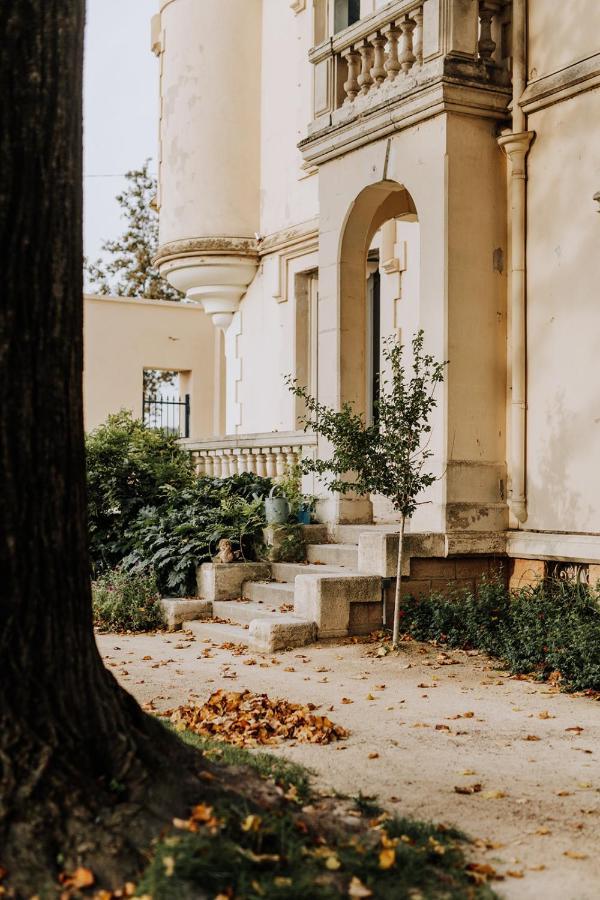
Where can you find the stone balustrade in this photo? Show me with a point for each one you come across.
(391, 47)
(268, 455)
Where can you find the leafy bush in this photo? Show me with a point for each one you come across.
(127, 466)
(554, 627)
(123, 601)
(174, 536)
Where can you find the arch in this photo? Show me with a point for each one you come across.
(374, 206)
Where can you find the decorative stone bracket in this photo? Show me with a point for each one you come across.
(214, 271)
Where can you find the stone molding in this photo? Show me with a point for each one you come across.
(206, 246)
(562, 85)
(297, 5)
(444, 95)
(291, 248)
(548, 545)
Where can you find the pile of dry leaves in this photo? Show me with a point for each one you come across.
(249, 720)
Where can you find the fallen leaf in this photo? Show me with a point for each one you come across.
(251, 823)
(576, 729)
(374, 755)
(575, 854)
(81, 877)
(467, 788)
(387, 858)
(515, 873)
(493, 795)
(332, 863)
(442, 728)
(543, 830)
(532, 737)
(358, 890)
(347, 700)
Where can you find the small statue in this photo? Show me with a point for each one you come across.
(226, 552)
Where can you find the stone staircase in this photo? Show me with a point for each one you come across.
(325, 597)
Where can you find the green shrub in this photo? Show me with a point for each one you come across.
(127, 466)
(123, 601)
(182, 529)
(554, 627)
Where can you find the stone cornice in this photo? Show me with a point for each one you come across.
(424, 101)
(572, 80)
(207, 246)
(291, 238)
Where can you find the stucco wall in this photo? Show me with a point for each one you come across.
(124, 336)
(563, 243)
(561, 34)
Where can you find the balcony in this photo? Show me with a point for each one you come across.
(269, 455)
(407, 61)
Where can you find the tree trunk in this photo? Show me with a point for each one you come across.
(75, 749)
(396, 631)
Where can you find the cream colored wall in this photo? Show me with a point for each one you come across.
(563, 333)
(288, 194)
(210, 118)
(561, 34)
(123, 336)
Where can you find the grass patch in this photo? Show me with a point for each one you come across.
(551, 630)
(284, 773)
(123, 601)
(240, 849)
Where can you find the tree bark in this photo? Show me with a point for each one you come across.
(83, 771)
(396, 628)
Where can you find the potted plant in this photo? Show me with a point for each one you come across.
(277, 507)
(301, 505)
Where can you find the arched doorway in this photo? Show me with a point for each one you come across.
(379, 297)
(367, 237)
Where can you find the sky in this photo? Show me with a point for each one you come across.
(120, 109)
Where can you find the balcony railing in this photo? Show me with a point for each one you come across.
(269, 455)
(393, 49)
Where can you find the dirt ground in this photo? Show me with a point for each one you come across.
(422, 724)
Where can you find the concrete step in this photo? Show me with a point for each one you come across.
(349, 534)
(265, 634)
(219, 633)
(269, 592)
(283, 572)
(315, 534)
(333, 554)
(243, 612)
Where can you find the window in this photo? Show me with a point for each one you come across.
(346, 12)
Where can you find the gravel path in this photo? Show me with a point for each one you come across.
(422, 723)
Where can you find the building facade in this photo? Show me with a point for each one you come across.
(332, 172)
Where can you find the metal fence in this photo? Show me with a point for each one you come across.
(172, 415)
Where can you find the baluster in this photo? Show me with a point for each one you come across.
(271, 463)
(351, 86)
(208, 465)
(418, 36)
(393, 63)
(407, 57)
(216, 464)
(364, 79)
(250, 461)
(291, 458)
(261, 464)
(280, 463)
(487, 44)
(378, 72)
(232, 460)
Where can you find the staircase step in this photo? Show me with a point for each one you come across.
(218, 632)
(268, 592)
(349, 534)
(333, 554)
(242, 613)
(288, 571)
